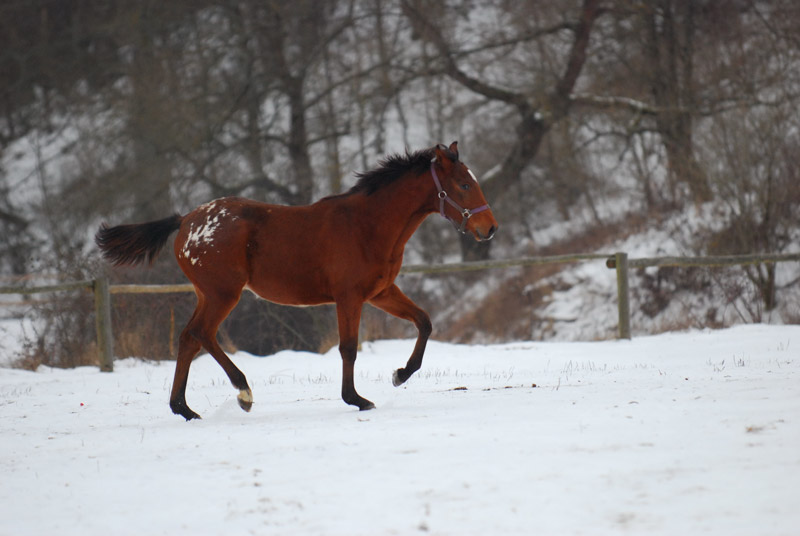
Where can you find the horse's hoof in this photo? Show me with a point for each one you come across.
(180, 408)
(397, 381)
(366, 406)
(245, 399)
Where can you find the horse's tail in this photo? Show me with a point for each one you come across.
(136, 243)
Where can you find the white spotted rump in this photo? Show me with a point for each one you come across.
(201, 237)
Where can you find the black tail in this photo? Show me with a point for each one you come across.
(136, 243)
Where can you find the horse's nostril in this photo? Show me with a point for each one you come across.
(492, 230)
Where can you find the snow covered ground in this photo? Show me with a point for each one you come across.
(683, 433)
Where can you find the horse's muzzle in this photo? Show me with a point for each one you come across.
(488, 236)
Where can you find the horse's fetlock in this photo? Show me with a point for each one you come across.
(348, 350)
(179, 407)
(397, 378)
(239, 380)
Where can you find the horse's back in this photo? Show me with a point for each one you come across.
(297, 252)
(277, 251)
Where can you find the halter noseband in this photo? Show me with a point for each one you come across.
(466, 213)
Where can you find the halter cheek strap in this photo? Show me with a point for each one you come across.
(466, 213)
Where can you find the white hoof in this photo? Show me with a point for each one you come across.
(245, 399)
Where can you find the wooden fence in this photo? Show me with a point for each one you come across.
(618, 261)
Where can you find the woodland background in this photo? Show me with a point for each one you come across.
(587, 122)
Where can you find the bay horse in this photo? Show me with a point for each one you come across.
(344, 249)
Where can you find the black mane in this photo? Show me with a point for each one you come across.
(392, 168)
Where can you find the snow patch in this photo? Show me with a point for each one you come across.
(682, 433)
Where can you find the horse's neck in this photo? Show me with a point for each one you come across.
(396, 211)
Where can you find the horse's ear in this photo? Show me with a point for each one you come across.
(440, 152)
(444, 155)
(454, 149)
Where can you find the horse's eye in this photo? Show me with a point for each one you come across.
(465, 186)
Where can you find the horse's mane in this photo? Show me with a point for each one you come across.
(392, 168)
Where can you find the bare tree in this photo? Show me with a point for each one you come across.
(537, 105)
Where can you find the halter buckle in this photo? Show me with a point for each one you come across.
(466, 213)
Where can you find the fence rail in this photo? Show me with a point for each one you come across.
(151, 289)
(500, 263)
(719, 260)
(618, 261)
(70, 285)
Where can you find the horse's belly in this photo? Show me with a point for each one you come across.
(297, 289)
(290, 298)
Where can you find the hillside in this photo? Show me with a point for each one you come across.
(578, 302)
(661, 128)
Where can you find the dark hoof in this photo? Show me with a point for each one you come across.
(397, 379)
(245, 399)
(180, 408)
(366, 406)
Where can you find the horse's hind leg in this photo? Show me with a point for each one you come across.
(393, 301)
(201, 331)
(188, 347)
(217, 308)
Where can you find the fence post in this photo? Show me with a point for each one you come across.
(623, 301)
(102, 314)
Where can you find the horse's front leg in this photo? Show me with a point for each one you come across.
(349, 316)
(393, 301)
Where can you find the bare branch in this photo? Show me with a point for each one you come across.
(614, 102)
(643, 108)
(432, 34)
(577, 55)
(522, 38)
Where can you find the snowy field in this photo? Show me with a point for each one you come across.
(689, 433)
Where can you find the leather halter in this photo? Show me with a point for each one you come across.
(466, 213)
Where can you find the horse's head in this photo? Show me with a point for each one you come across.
(460, 198)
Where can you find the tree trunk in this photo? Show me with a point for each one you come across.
(298, 142)
(669, 47)
(534, 122)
